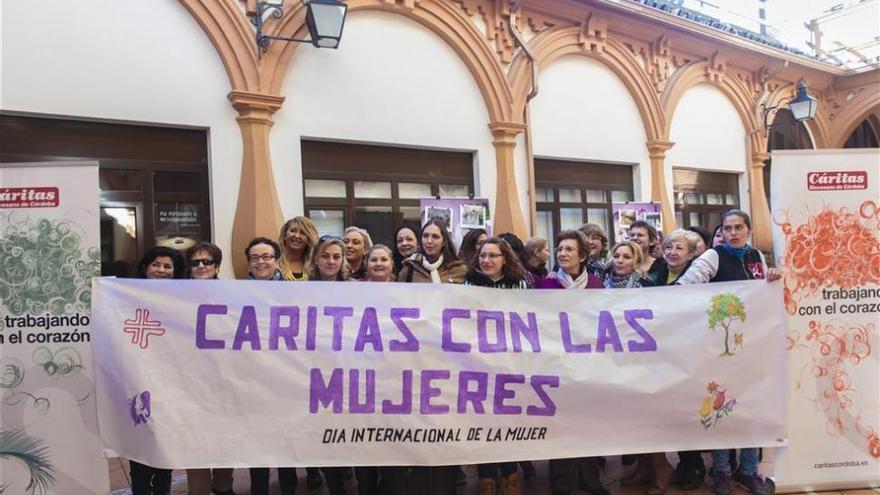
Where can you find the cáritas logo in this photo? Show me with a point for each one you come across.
(29, 197)
(837, 181)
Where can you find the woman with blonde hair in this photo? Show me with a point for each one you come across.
(298, 238)
(623, 271)
(328, 260)
(357, 242)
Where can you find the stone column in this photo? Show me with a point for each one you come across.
(657, 153)
(258, 212)
(762, 236)
(507, 214)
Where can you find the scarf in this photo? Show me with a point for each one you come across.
(596, 267)
(738, 252)
(433, 268)
(614, 281)
(568, 283)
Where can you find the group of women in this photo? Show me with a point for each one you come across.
(428, 255)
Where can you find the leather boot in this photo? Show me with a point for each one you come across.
(509, 485)
(487, 487)
(642, 475)
(663, 473)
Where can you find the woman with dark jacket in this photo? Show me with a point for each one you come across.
(471, 244)
(263, 256)
(436, 261)
(498, 267)
(733, 260)
(159, 263)
(406, 243)
(203, 261)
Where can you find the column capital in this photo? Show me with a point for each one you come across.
(255, 105)
(658, 148)
(759, 159)
(506, 131)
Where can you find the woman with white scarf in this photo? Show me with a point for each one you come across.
(572, 250)
(436, 261)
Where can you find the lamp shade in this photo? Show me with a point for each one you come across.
(803, 105)
(325, 19)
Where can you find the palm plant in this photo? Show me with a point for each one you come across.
(34, 454)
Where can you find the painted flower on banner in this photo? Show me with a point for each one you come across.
(141, 328)
(715, 405)
(724, 310)
(833, 248)
(139, 407)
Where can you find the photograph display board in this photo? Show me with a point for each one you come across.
(461, 214)
(627, 213)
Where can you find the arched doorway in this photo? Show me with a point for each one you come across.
(864, 136)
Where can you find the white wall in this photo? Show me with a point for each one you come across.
(391, 82)
(134, 61)
(708, 135)
(583, 111)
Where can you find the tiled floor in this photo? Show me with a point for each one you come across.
(538, 486)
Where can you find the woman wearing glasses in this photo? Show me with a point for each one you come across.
(204, 264)
(159, 263)
(498, 267)
(297, 239)
(262, 254)
(436, 261)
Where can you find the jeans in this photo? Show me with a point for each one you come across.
(748, 461)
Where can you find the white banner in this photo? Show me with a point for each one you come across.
(49, 251)
(825, 210)
(247, 373)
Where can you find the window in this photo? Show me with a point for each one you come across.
(569, 194)
(153, 181)
(377, 188)
(702, 197)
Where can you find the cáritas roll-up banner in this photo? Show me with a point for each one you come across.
(257, 373)
(826, 219)
(49, 252)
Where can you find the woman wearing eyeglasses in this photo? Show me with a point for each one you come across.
(262, 254)
(204, 264)
(498, 267)
(297, 239)
(572, 252)
(159, 263)
(436, 261)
